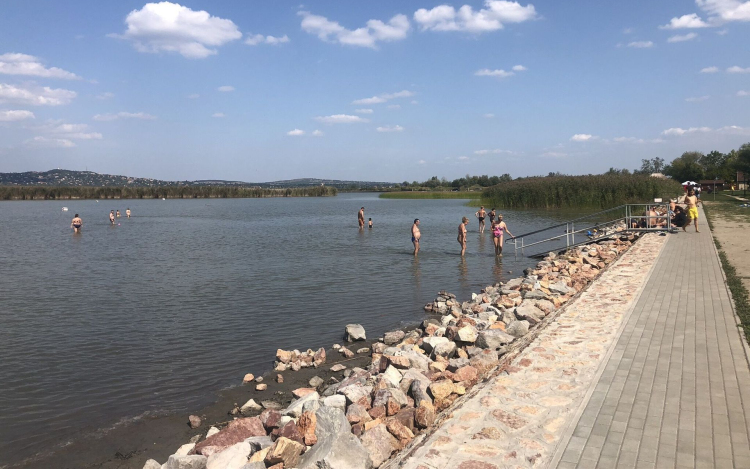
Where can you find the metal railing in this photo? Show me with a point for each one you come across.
(596, 226)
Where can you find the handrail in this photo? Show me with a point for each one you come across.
(572, 221)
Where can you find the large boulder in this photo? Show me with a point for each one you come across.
(494, 338)
(337, 447)
(233, 457)
(444, 349)
(295, 409)
(467, 333)
(194, 461)
(237, 431)
(152, 464)
(355, 332)
(284, 451)
(518, 328)
(429, 343)
(485, 361)
(380, 444)
(356, 394)
(393, 337)
(529, 312)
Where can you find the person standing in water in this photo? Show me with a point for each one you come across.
(112, 217)
(127, 212)
(415, 235)
(480, 214)
(117, 214)
(369, 223)
(76, 224)
(492, 215)
(498, 231)
(361, 217)
(692, 209)
(462, 234)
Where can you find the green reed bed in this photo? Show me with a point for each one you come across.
(594, 191)
(186, 192)
(430, 195)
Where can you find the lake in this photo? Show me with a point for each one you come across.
(161, 311)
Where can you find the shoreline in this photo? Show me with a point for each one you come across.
(133, 444)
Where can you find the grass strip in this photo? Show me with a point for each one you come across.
(740, 294)
(430, 195)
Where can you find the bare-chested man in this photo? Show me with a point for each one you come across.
(118, 214)
(76, 224)
(127, 212)
(462, 234)
(361, 217)
(112, 217)
(692, 209)
(415, 235)
(481, 214)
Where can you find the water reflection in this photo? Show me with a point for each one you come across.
(463, 272)
(482, 243)
(416, 273)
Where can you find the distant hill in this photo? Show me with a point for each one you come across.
(68, 178)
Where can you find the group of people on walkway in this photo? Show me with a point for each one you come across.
(498, 229)
(681, 217)
(77, 222)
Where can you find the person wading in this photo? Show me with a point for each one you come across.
(361, 217)
(76, 224)
(415, 235)
(498, 231)
(481, 214)
(462, 234)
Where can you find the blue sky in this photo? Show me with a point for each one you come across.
(387, 90)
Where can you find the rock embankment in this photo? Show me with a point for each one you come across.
(362, 419)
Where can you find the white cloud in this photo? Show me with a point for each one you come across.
(382, 98)
(679, 131)
(45, 142)
(363, 111)
(390, 128)
(225, 89)
(553, 154)
(261, 39)
(690, 21)
(218, 115)
(123, 115)
(725, 10)
(296, 133)
(734, 129)
(22, 64)
(519, 68)
(317, 133)
(340, 119)
(70, 131)
(581, 138)
(194, 96)
(628, 140)
(743, 93)
(171, 27)
(641, 44)
(394, 106)
(36, 96)
(105, 96)
(737, 69)
(414, 102)
(489, 18)
(367, 36)
(496, 151)
(697, 99)
(486, 72)
(489, 115)
(10, 116)
(463, 158)
(722, 32)
(421, 162)
(710, 70)
(683, 37)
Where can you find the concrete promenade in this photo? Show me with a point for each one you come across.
(646, 369)
(675, 393)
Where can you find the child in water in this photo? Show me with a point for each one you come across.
(369, 222)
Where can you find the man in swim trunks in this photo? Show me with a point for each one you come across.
(112, 217)
(492, 215)
(118, 214)
(127, 212)
(692, 209)
(76, 224)
(462, 234)
(415, 235)
(361, 217)
(480, 214)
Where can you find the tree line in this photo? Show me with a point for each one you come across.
(182, 192)
(467, 182)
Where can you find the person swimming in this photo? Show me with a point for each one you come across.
(76, 224)
(415, 235)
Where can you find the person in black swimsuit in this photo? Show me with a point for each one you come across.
(481, 214)
(76, 224)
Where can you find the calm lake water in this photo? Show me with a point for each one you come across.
(159, 312)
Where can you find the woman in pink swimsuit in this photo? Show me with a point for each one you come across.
(498, 230)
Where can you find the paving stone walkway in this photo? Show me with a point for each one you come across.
(676, 391)
(519, 418)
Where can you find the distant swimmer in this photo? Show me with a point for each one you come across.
(369, 222)
(118, 214)
(415, 235)
(462, 234)
(112, 217)
(481, 214)
(361, 217)
(76, 224)
(498, 231)
(127, 212)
